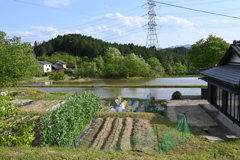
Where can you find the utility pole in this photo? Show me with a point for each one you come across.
(152, 40)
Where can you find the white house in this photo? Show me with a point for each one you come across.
(46, 66)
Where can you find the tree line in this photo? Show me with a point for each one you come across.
(93, 57)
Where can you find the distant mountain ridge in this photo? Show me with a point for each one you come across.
(188, 46)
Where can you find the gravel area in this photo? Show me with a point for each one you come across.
(196, 116)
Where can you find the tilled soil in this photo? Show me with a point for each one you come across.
(121, 134)
(40, 105)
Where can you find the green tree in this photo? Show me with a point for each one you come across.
(136, 66)
(156, 66)
(100, 64)
(179, 69)
(114, 63)
(17, 61)
(169, 69)
(207, 52)
(115, 67)
(112, 52)
(87, 69)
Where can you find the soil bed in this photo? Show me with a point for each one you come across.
(40, 105)
(121, 134)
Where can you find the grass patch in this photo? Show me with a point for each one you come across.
(16, 153)
(32, 93)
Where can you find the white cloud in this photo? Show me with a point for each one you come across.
(57, 3)
(135, 21)
(45, 33)
(41, 28)
(131, 21)
(175, 22)
(103, 31)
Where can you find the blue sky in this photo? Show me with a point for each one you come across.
(120, 21)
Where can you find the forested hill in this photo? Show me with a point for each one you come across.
(79, 45)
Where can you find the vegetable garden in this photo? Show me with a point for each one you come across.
(63, 125)
(117, 131)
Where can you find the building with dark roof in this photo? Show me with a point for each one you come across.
(59, 66)
(224, 83)
(46, 66)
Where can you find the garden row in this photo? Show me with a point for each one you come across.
(121, 134)
(63, 125)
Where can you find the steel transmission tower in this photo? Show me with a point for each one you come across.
(152, 39)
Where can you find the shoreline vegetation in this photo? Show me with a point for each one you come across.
(85, 79)
(119, 86)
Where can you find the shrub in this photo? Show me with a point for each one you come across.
(57, 76)
(13, 130)
(46, 74)
(68, 72)
(177, 95)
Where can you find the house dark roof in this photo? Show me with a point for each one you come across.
(60, 62)
(229, 74)
(44, 62)
(57, 67)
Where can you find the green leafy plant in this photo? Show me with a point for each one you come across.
(13, 130)
(63, 125)
(177, 95)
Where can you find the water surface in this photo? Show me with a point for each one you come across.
(158, 93)
(147, 81)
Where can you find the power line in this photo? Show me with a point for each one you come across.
(104, 18)
(197, 10)
(35, 4)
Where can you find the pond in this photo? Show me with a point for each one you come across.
(159, 93)
(147, 81)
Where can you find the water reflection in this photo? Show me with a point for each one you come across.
(147, 81)
(159, 93)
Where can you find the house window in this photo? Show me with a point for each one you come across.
(234, 106)
(219, 97)
(229, 103)
(214, 95)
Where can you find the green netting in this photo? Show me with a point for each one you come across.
(179, 134)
